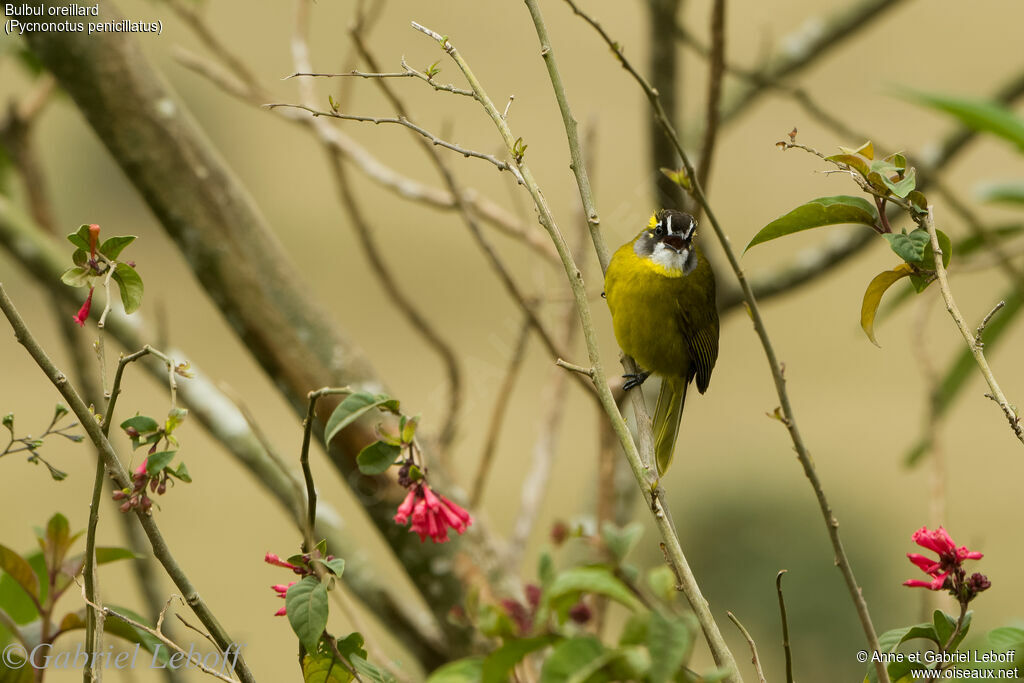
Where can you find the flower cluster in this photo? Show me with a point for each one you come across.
(431, 513)
(137, 496)
(947, 572)
(302, 570)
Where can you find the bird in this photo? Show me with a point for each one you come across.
(660, 290)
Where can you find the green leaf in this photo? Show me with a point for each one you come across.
(817, 213)
(972, 243)
(306, 604)
(20, 570)
(336, 566)
(890, 641)
(1006, 638)
(408, 428)
(377, 457)
(1008, 192)
(910, 247)
(130, 285)
(58, 540)
(873, 296)
(945, 626)
(621, 540)
(175, 417)
(598, 580)
(669, 640)
(854, 161)
(468, 670)
(76, 277)
(867, 150)
(370, 671)
(945, 244)
(111, 248)
(158, 461)
(901, 187)
(80, 258)
(499, 664)
(635, 630)
(353, 407)
(663, 583)
(981, 115)
(143, 424)
(570, 658)
(324, 667)
(80, 238)
(181, 473)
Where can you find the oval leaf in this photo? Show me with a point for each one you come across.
(75, 277)
(80, 238)
(873, 296)
(113, 247)
(20, 570)
(377, 458)
(130, 285)
(468, 670)
(352, 408)
(500, 663)
(597, 580)
(910, 247)
(669, 640)
(569, 658)
(817, 213)
(306, 604)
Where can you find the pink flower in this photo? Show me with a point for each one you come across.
(83, 312)
(431, 514)
(282, 591)
(946, 572)
(273, 559)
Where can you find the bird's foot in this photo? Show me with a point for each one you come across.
(634, 379)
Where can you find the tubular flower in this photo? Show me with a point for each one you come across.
(946, 571)
(282, 590)
(302, 570)
(431, 514)
(83, 312)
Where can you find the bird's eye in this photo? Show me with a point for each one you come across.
(659, 231)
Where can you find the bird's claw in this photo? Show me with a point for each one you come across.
(634, 379)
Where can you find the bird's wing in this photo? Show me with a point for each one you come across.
(701, 337)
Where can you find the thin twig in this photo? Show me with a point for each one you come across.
(498, 415)
(498, 163)
(120, 476)
(307, 474)
(785, 627)
(831, 524)
(976, 348)
(753, 647)
(984, 323)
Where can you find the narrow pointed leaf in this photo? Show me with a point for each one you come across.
(817, 213)
(20, 570)
(981, 115)
(352, 408)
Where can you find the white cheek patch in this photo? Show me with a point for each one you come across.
(681, 261)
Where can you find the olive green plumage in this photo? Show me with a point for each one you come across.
(661, 292)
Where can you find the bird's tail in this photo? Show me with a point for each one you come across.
(667, 416)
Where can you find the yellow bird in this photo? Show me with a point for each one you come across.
(661, 292)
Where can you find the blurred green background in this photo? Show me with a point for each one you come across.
(741, 502)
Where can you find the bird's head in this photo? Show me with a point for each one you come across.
(668, 241)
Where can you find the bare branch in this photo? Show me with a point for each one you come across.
(501, 165)
(972, 342)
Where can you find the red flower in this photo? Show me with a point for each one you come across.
(282, 591)
(431, 514)
(946, 572)
(83, 312)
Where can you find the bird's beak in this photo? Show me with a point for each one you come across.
(675, 242)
